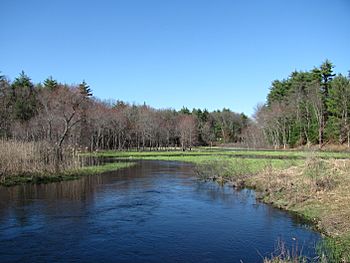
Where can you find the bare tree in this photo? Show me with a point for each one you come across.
(187, 130)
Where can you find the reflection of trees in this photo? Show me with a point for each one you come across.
(21, 201)
(225, 194)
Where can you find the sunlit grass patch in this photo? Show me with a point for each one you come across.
(229, 152)
(97, 169)
(71, 174)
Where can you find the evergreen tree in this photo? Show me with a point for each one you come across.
(185, 110)
(278, 91)
(326, 72)
(50, 83)
(84, 89)
(24, 99)
(338, 104)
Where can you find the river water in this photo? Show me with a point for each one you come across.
(155, 211)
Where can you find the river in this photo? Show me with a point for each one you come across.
(156, 211)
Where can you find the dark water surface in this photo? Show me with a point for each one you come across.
(153, 212)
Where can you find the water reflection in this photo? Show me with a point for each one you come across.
(153, 212)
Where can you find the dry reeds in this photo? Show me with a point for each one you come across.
(36, 158)
(285, 255)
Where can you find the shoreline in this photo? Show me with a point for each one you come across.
(74, 174)
(334, 246)
(314, 189)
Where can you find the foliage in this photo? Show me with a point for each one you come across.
(64, 114)
(307, 108)
(335, 249)
(23, 98)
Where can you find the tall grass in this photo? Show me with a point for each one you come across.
(283, 254)
(33, 158)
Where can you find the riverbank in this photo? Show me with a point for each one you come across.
(72, 174)
(313, 185)
(318, 190)
(38, 162)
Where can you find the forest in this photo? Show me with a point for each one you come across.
(306, 108)
(69, 115)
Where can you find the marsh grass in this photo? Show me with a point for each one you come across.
(322, 173)
(37, 158)
(98, 169)
(228, 152)
(319, 190)
(334, 249)
(282, 254)
(35, 162)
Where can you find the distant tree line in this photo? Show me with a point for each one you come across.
(307, 108)
(69, 116)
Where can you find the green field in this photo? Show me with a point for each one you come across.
(225, 163)
(229, 152)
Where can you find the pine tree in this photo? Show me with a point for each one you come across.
(84, 89)
(86, 92)
(50, 83)
(24, 99)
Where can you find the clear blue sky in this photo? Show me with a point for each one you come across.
(195, 53)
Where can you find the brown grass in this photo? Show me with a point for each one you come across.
(284, 255)
(23, 158)
(319, 189)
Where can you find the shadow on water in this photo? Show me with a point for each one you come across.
(156, 211)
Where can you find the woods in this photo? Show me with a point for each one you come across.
(307, 108)
(69, 116)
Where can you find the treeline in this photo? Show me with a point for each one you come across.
(309, 107)
(69, 116)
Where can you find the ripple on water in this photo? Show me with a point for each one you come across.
(152, 212)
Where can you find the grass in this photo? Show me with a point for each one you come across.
(17, 157)
(319, 190)
(36, 162)
(71, 174)
(89, 170)
(217, 151)
(284, 255)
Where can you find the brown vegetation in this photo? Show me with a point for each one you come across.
(32, 158)
(319, 189)
(284, 255)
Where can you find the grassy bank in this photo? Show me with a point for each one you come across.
(319, 190)
(316, 185)
(221, 152)
(62, 176)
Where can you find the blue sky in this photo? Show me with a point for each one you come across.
(194, 53)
